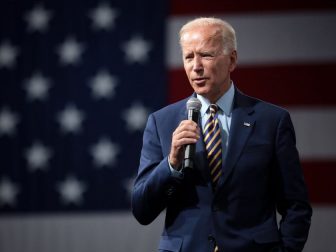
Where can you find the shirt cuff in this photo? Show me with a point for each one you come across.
(175, 173)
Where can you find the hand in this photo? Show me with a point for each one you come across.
(187, 132)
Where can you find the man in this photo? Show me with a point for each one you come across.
(246, 162)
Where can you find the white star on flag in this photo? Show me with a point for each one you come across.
(136, 117)
(103, 17)
(71, 119)
(8, 54)
(38, 18)
(71, 190)
(37, 87)
(8, 121)
(136, 50)
(38, 156)
(104, 152)
(8, 192)
(103, 85)
(70, 51)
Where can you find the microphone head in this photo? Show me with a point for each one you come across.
(194, 104)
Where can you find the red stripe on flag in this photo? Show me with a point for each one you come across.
(197, 7)
(320, 179)
(284, 85)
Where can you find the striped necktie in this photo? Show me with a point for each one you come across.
(213, 144)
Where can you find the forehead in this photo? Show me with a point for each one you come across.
(200, 37)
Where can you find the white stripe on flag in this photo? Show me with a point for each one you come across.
(315, 132)
(115, 232)
(271, 38)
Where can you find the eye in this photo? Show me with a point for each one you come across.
(207, 55)
(188, 56)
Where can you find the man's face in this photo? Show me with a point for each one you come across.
(207, 67)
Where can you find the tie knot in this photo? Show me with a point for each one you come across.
(213, 109)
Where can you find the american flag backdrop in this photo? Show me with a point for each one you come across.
(79, 78)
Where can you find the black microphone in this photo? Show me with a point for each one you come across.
(193, 106)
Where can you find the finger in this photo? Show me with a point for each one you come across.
(186, 134)
(187, 127)
(188, 123)
(183, 141)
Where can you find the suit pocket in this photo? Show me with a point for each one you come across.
(267, 235)
(170, 243)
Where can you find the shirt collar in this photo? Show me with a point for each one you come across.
(224, 102)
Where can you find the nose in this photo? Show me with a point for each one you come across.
(198, 66)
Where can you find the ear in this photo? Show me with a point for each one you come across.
(233, 60)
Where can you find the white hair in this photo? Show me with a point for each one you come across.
(226, 31)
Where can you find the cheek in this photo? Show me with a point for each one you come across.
(187, 68)
(213, 68)
(214, 72)
(222, 70)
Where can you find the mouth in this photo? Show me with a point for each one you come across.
(199, 81)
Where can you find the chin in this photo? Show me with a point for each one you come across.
(201, 91)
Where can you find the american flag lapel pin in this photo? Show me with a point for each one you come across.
(246, 124)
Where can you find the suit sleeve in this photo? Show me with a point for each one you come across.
(292, 198)
(154, 182)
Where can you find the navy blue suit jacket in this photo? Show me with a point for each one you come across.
(261, 174)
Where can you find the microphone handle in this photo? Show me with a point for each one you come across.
(189, 153)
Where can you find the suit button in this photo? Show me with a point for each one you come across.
(211, 239)
(170, 191)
